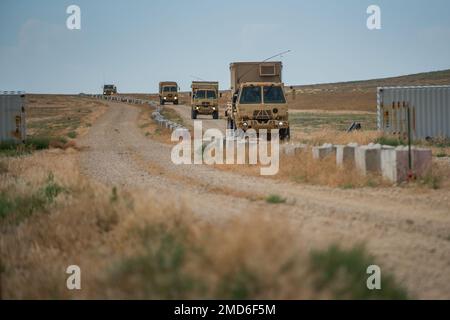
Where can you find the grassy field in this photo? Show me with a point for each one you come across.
(54, 121)
(309, 121)
(137, 244)
(60, 116)
(356, 95)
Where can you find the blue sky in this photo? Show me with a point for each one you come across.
(137, 43)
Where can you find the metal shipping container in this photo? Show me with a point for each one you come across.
(12, 116)
(429, 111)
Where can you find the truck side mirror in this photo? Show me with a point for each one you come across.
(220, 95)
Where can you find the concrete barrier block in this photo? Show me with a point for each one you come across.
(155, 115)
(323, 151)
(345, 154)
(394, 164)
(422, 161)
(368, 159)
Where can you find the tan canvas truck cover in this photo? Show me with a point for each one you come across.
(168, 92)
(167, 84)
(205, 98)
(242, 72)
(207, 85)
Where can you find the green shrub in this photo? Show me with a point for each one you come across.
(241, 285)
(18, 208)
(390, 141)
(51, 189)
(38, 143)
(13, 149)
(344, 273)
(159, 270)
(274, 199)
(72, 134)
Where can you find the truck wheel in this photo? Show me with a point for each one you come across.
(230, 124)
(175, 102)
(193, 114)
(215, 115)
(285, 134)
(162, 102)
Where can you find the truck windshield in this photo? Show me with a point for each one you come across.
(211, 94)
(250, 95)
(170, 89)
(108, 87)
(273, 94)
(200, 94)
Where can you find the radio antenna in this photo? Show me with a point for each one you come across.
(197, 78)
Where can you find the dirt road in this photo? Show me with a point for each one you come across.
(409, 233)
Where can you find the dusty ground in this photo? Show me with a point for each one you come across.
(409, 232)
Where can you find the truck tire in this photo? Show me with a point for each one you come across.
(193, 114)
(175, 102)
(230, 124)
(162, 102)
(285, 134)
(215, 115)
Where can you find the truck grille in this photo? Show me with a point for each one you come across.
(205, 104)
(262, 116)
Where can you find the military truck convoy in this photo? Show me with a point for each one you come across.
(168, 92)
(257, 98)
(205, 98)
(109, 89)
(257, 102)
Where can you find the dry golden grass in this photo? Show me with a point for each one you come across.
(61, 116)
(319, 137)
(138, 244)
(302, 168)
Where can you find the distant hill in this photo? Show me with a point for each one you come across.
(357, 95)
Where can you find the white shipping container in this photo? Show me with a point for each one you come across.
(429, 111)
(12, 116)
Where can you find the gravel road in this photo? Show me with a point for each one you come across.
(408, 232)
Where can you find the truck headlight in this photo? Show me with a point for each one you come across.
(176, 98)
(245, 124)
(214, 108)
(280, 123)
(165, 98)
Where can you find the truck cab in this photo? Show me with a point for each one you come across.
(109, 89)
(205, 99)
(168, 92)
(258, 100)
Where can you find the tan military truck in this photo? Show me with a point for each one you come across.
(109, 90)
(205, 98)
(257, 98)
(168, 92)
